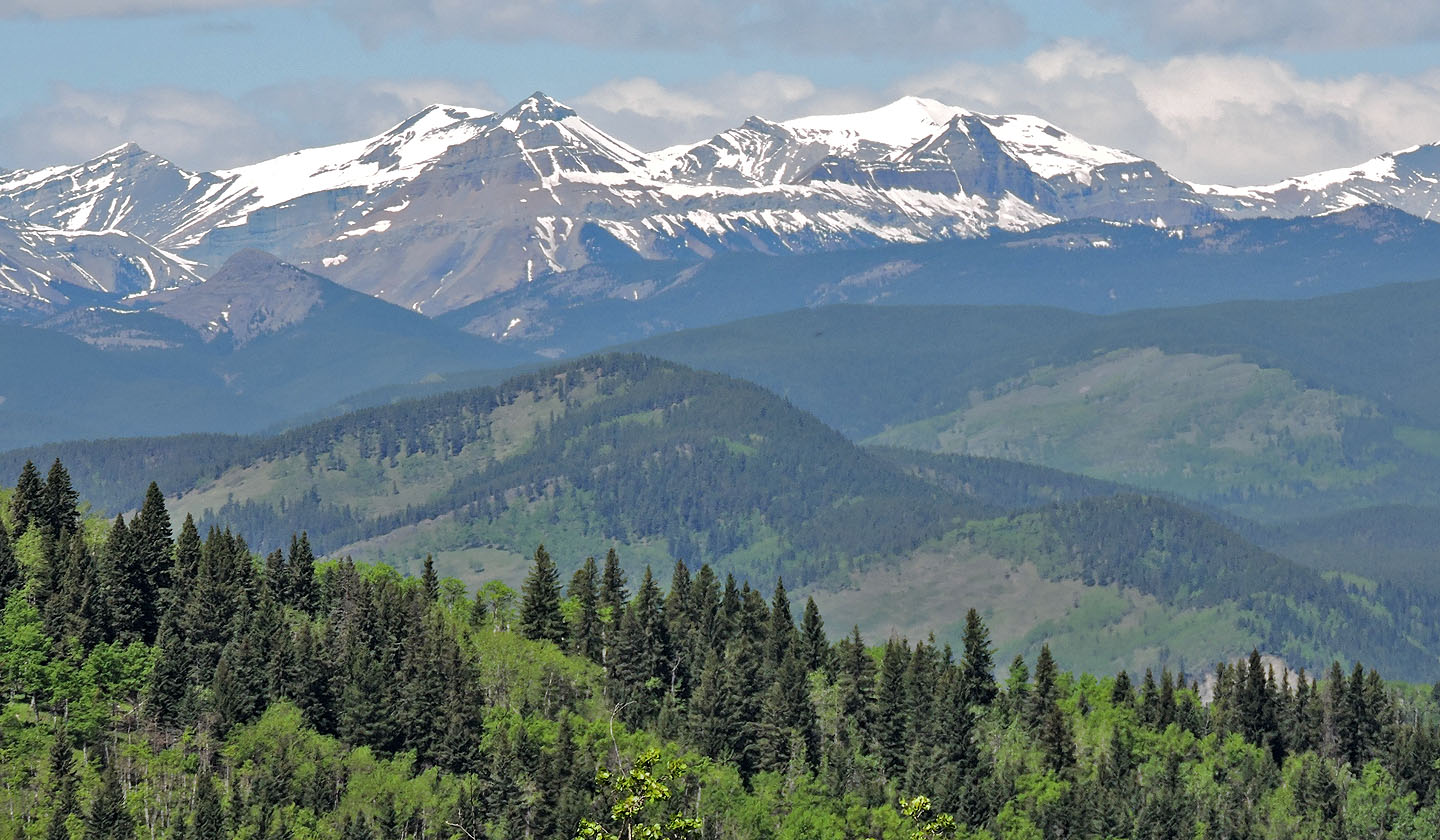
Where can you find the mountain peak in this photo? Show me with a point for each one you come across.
(122, 152)
(900, 124)
(437, 115)
(540, 107)
(251, 261)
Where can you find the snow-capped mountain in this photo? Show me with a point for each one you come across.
(455, 205)
(44, 270)
(1407, 180)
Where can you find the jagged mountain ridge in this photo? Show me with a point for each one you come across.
(455, 205)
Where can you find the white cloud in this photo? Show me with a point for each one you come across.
(815, 26)
(1209, 118)
(203, 130)
(60, 9)
(1296, 24)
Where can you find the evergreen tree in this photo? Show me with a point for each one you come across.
(151, 546)
(63, 783)
(429, 581)
(705, 601)
(60, 504)
(586, 634)
(11, 577)
(187, 555)
(814, 646)
(108, 818)
(781, 631)
(679, 622)
(540, 617)
(977, 662)
(642, 650)
(707, 724)
(27, 503)
(304, 592)
(613, 595)
(787, 719)
(170, 678)
(1046, 692)
(892, 712)
(209, 818)
(123, 582)
(1121, 693)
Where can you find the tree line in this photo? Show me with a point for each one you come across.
(161, 683)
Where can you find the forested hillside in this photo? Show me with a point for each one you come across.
(157, 683)
(618, 448)
(669, 464)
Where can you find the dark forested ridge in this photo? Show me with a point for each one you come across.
(157, 683)
(648, 449)
(668, 464)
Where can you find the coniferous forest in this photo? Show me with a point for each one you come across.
(162, 683)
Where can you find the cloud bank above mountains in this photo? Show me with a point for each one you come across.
(1215, 90)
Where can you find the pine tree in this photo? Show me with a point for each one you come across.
(977, 662)
(814, 646)
(586, 635)
(855, 676)
(27, 504)
(61, 514)
(707, 722)
(304, 592)
(150, 538)
(429, 581)
(1046, 691)
(540, 617)
(613, 595)
(187, 556)
(170, 678)
(705, 600)
(787, 718)
(209, 819)
(63, 783)
(10, 573)
(679, 623)
(892, 712)
(781, 636)
(108, 818)
(1121, 693)
(123, 582)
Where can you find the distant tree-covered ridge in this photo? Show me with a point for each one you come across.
(157, 683)
(671, 464)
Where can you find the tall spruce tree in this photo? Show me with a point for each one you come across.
(586, 635)
(892, 711)
(61, 511)
(429, 581)
(304, 591)
(540, 617)
(208, 822)
(977, 662)
(62, 784)
(153, 549)
(814, 646)
(108, 818)
(613, 595)
(187, 555)
(10, 572)
(27, 503)
(780, 640)
(124, 584)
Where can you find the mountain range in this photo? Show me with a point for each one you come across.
(455, 206)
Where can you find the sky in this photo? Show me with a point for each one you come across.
(1215, 91)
